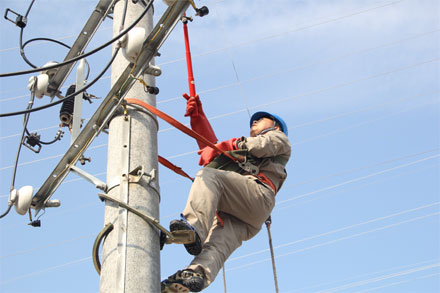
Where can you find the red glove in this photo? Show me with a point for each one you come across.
(207, 154)
(199, 122)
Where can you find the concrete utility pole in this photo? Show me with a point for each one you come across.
(130, 254)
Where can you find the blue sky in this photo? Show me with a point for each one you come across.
(357, 83)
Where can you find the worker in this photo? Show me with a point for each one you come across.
(229, 203)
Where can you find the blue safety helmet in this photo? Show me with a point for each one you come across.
(278, 119)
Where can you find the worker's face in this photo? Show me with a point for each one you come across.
(260, 125)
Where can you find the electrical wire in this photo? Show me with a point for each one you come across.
(273, 74)
(68, 96)
(285, 32)
(247, 255)
(92, 82)
(17, 156)
(25, 122)
(17, 278)
(58, 39)
(337, 230)
(338, 240)
(242, 93)
(308, 288)
(400, 282)
(432, 102)
(49, 40)
(121, 34)
(358, 179)
(193, 152)
(377, 279)
(7, 211)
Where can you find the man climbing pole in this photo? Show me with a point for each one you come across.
(229, 201)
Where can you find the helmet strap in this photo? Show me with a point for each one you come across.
(268, 129)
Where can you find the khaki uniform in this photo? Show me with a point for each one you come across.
(242, 201)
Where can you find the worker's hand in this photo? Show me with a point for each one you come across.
(199, 122)
(193, 106)
(207, 154)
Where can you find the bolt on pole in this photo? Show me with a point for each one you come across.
(130, 255)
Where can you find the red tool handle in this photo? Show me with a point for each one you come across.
(192, 86)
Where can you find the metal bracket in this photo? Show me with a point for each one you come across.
(20, 20)
(92, 179)
(153, 70)
(135, 176)
(178, 237)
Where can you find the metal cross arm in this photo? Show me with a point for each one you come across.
(111, 103)
(98, 15)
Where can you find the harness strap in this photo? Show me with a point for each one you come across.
(174, 168)
(264, 179)
(178, 125)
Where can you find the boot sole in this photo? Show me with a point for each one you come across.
(175, 288)
(193, 248)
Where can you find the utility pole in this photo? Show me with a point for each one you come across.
(130, 254)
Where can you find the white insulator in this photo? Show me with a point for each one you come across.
(22, 199)
(50, 72)
(38, 85)
(132, 45)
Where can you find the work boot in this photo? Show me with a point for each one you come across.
(183, 282)
(193, 248)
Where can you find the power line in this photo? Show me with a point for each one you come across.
(400, 282)
(84, 55)
(243, 95)
(337, 230)
(335, 86)
(18, 278)
(432, 102)
(362, 275)
(48, 158)
(336, 240)
(250, 264)
(60, 243)
(258, 40)
(301, 67)
(297, 29)
(373, 280)
(193, 152)
(359, 168)
(43, 42)
(68, 96)
(358, 179)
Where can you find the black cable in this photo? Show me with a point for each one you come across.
(21, 37)
(124, 14)
(67, 97)
(29, 8)
(49, 40)
(125, 31)
(23, 55)
(25, 122)
(57, 137)
(7, 211)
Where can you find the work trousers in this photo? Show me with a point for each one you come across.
(243, 204)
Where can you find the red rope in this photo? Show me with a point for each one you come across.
(178, 125)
